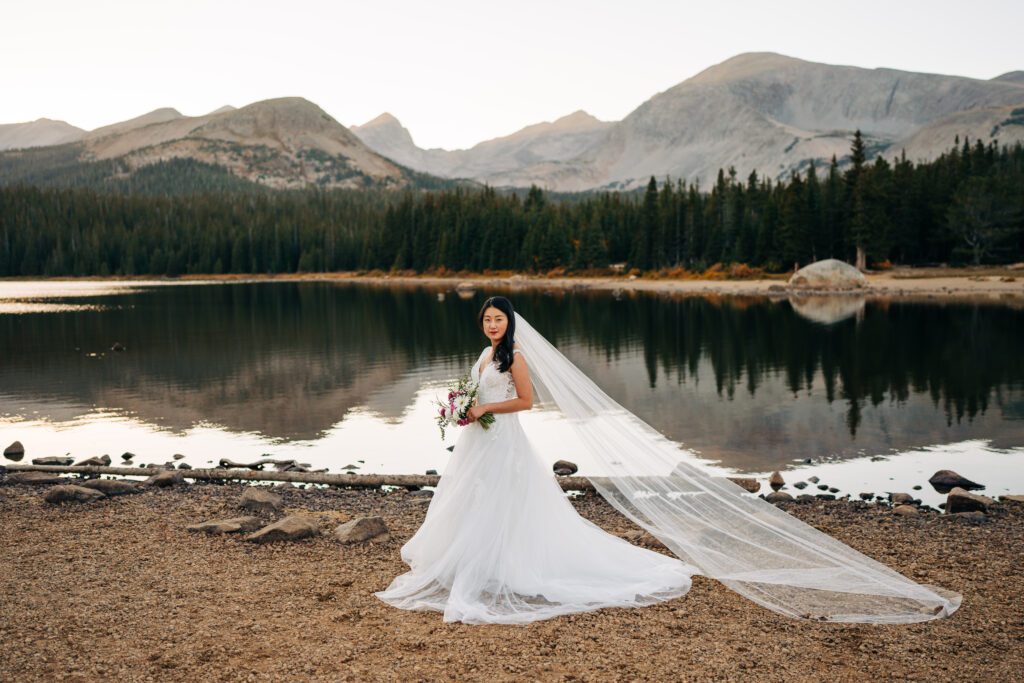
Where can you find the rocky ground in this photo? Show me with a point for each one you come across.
(118, 589)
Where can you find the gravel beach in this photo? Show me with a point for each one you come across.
(118, 589)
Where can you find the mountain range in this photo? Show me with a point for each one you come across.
(758, 111)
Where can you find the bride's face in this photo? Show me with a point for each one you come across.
(495, 324)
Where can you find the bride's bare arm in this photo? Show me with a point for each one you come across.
(521, 376)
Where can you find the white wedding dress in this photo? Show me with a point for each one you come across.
(501, 543)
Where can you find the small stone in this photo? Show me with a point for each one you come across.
(833, 489)
(900, 498)
(778, 497)
(905, 510)
(750, 484)
(564, 468)
(291, 528)
(184, 466)
(432, 473)
(15, 451)
(776, 481)
(227, 526)
(867, 496)
(917, 487)
(825, 496)
(813, 480)
(823, 487)
(800, 485)
(361, 530)
(805, 498)
(127, 456)
(350, 467)
(178, 456)
(53, 460)
(261, 500)
(72, 494)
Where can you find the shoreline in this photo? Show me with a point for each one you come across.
(993, 284)
(118, 589)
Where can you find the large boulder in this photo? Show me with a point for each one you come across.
(36, 478)
(261, 500)
(113, 487)
(829, 274)
(362, 529)
(961, 500)
(72, 494)
(291, 528)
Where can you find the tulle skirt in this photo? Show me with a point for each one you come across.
(501, 544)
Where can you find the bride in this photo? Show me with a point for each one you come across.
(502, 544)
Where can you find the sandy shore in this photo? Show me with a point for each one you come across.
(119, 590)
(995, 284)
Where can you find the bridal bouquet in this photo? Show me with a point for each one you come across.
(456, 410)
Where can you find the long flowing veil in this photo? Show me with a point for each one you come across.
(743, 541)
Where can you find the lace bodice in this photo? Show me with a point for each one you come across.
(495, 386)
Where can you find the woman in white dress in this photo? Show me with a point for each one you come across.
(502, 544)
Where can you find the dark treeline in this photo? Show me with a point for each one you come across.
(965, 207)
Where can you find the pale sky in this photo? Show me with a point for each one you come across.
(454, 72)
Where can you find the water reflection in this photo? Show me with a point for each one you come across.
(753, 383)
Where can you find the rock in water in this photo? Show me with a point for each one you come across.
(72, 494)
(778, 497)
(945, 481)
(776, 481)
(564, 468)
(101, 461)
(360, 530)
(53, 460)
(15, 451)
(260, 500)
(227, 526)
(960, 500)
(291, 528)
(830, 274)
(113, 487)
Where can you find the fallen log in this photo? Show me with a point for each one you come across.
(348, 480)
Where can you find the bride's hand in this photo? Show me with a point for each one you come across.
(475, 412)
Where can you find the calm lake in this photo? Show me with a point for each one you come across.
(333, 374)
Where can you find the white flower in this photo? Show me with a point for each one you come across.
(461, 403)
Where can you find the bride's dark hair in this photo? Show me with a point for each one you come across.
(502, 354)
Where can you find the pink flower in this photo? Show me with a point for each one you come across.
(442, 412)
(451, 395)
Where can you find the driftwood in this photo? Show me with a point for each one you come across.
(360, 481)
